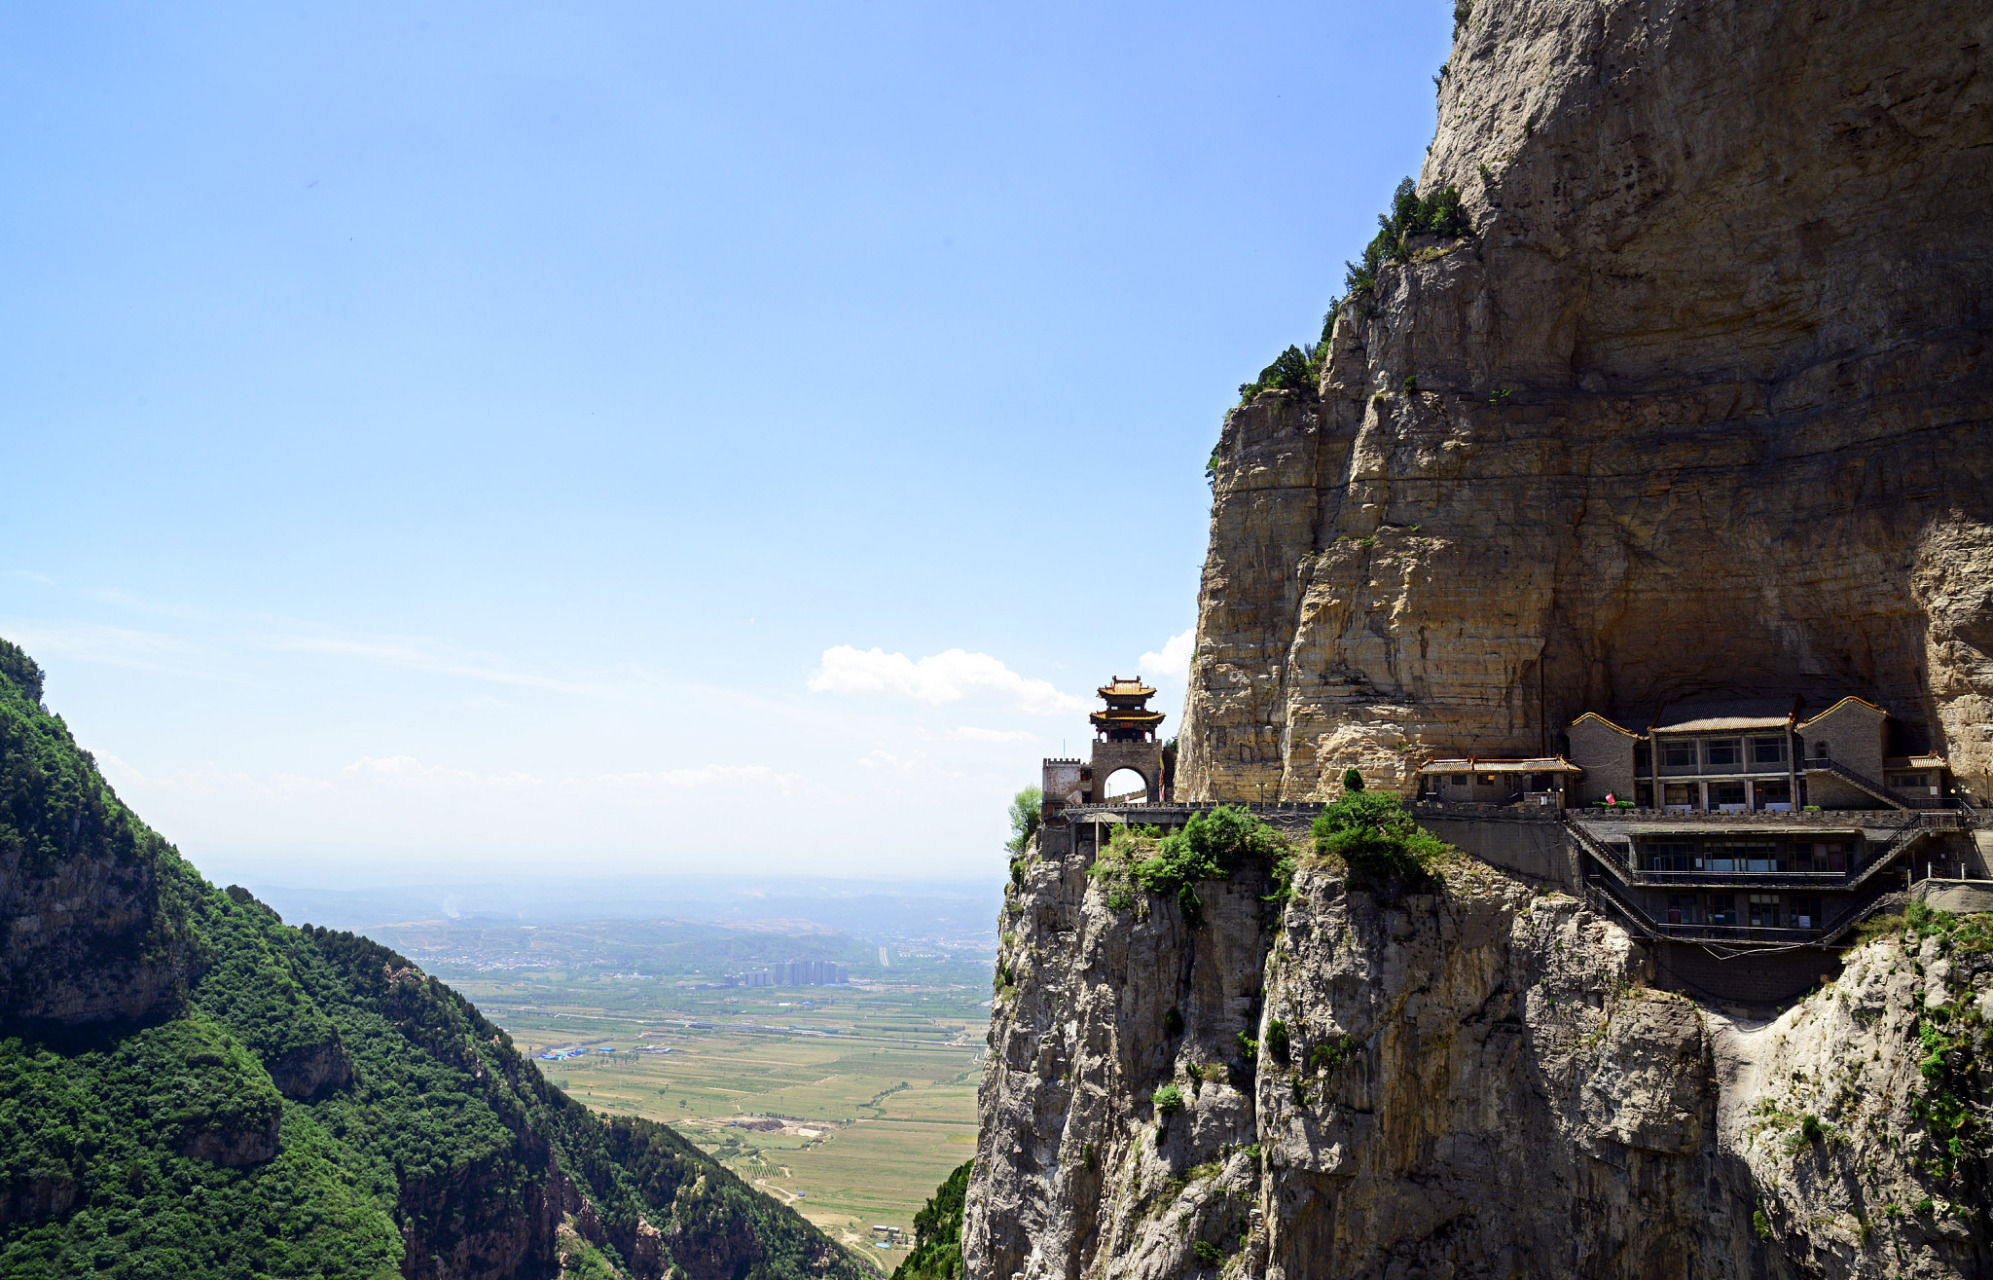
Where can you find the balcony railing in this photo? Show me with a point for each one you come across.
(1796, 879)
(1601, 894)
(1613, 854)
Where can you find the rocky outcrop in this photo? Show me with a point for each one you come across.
(310, 1069)
(239, 1144)
(468, 1224)
(1471, 1077)
(82, 936)
(1704, 407)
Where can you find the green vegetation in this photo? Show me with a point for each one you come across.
(1376, 838)
(1352, 779)
(1276, 1040)
(937, 1252)
(1168, 1100)
(1950, 1036)
(299, 1102)
(1294, 369)
(1332, 1053)
(1207, 1253)
(875, 1084)
(1210, 847)
(1437, 215)
(1027, 809)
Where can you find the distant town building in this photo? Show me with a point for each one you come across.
(797, 973)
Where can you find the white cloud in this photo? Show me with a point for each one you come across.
(937, 679)
(1173, 663)
(969, 733)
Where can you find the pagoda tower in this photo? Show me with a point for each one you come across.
(1127, 718)
(1125, 738)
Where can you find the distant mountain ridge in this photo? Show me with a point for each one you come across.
(189, 1087)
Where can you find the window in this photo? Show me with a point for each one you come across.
(1684, 909)
(1740, 856)
(1765, 912)
(1820, 751)
(1772, 793)
(1678, 755)
(1679, 795)
(1723, 908)
(1906, 780)
(1456, 780)
(1643, 756)
(1722, 793)
(1724, 751)
(1767, 750)
(1671, 855)
(1805, 911)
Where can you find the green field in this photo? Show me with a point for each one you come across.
(860, 1098)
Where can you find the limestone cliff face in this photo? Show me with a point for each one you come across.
(1705, 407)
(1476, 1080)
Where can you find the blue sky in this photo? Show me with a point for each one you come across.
(464, 440)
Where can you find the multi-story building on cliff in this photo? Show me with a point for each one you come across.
(1750, 756)
(1712, 757)
(1744, 840)
(1741, 825)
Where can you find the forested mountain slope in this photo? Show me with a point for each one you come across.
(189, 1087)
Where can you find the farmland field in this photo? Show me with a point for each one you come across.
(850, 1102)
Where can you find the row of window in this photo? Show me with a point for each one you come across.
(1754, 910)
(1529, 781)
(1746, 856)
(1714, 753)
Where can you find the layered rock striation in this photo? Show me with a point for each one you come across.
(1464, 1078)
(1704, 407)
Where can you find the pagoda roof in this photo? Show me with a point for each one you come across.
(1126, 716)
(1117, 687)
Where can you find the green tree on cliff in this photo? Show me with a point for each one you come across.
(1352, 780)
(1026, 810)
(937, 1232)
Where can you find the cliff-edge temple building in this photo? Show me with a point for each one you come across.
(1745, 840)
(1124, 738)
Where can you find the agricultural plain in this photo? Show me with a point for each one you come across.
(850, 1102)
